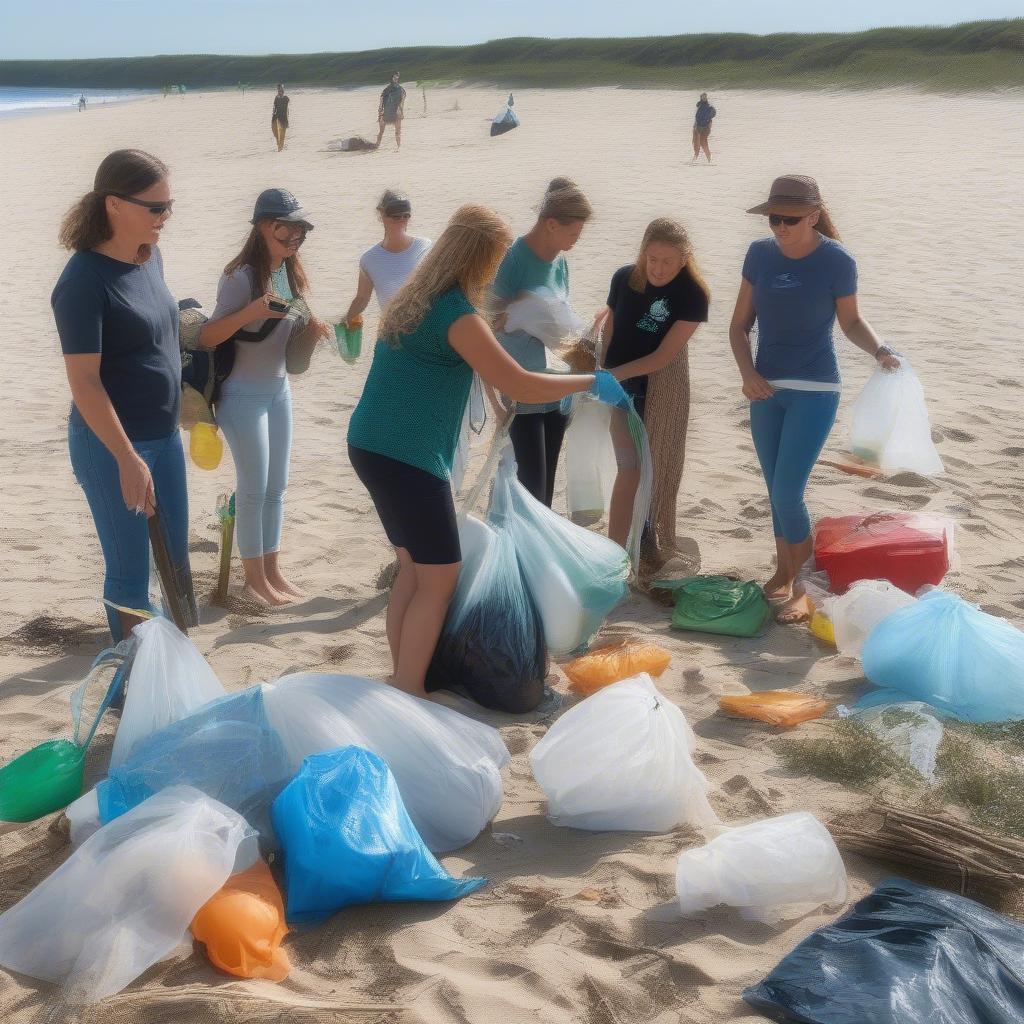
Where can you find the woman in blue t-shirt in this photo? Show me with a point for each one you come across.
(795, 285)
(533, 262)
(118, 327)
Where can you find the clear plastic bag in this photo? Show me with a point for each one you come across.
(854, 614)
(492, 645)
(169, 678)
(890, 423)
(227, 750)
(447, 766)
(950, 654)
(905, 954)
(621, 760)
(125, 898)
(590, 467)
(543, 315)
(575, 577)
(348, 840)
(473, 420)
(910, 729)
(772, 870)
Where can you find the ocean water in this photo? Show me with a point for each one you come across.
(16, 100)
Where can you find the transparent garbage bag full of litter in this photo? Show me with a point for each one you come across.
(854, 614)
(543, 315)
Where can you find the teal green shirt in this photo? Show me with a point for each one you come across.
(415, 394)
(522, 270)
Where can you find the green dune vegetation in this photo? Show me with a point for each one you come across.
(977, 55)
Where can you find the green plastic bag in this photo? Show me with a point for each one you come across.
(717, 604)
(349, 339)
(49, 776)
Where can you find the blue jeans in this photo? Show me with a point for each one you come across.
(256, 417)
(789, 431)
(124, 535)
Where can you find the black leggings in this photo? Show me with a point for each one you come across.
(537, 441)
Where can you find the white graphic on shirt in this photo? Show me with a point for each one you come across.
(782, 281)
(655, 316)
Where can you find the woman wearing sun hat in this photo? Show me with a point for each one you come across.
(796, 284)
(260, 313)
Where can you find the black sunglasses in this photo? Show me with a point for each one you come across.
(293, 229)
(775, 219)
(157, 209)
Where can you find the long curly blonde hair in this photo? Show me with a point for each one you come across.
(467, 256)
(668, 232)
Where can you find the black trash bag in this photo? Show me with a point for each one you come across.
(906, 954)
(492, 645)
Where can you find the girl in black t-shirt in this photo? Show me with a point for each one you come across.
(654, 306)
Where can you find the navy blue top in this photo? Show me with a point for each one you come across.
(125, 313)
(795, 305)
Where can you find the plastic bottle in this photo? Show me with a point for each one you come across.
(206, 446)
(350, 339)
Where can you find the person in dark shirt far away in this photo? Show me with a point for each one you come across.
(279, 119)
(391, 109)
(702, 127)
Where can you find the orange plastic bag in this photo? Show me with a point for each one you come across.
(776, 707)
(242, 926)
(608, 665)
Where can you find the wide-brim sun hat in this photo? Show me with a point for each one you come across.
(792, 193)
(280, 204)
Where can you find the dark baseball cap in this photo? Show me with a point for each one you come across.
(280, 204)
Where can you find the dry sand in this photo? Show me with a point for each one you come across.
(573, 926)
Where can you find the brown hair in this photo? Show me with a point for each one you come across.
(128, 171)
(565, 202)
(668, 232)
(254, 254)
(467, 255)
(825, 226)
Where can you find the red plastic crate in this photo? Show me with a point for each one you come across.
(906, 548)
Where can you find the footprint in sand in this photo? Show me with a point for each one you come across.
(912, 502)
(1014, 450)
(954, 434)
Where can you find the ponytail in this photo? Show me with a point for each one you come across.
(85, 225)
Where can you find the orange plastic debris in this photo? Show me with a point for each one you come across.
(776, 707)
(607, 665)
(242, 926)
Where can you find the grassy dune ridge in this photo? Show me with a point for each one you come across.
(976, 55)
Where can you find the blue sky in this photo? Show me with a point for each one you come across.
(119, 28)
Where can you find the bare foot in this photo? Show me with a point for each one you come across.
(283, 586)
(797, 609)
(269, 597)
(778, 588)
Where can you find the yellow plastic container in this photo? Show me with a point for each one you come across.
(205, 446)
(821, 627)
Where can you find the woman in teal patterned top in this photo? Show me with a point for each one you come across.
(403, 433)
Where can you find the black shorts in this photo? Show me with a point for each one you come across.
(415, 507)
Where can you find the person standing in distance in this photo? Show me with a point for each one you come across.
(391, 109)
(279, 119)
(702, 127)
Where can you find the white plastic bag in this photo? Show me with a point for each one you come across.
(621, 759)
(125, 898)
(169, 679)
(890, 423)
(447, 766)
(854, 614)
(473, 420)
(590, 467)
(575, 577)
(910, 729)
(543, 315)
(772, 870)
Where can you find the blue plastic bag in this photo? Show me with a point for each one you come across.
(906, 954)
(226, 749)
(347, 839)
(950, 654)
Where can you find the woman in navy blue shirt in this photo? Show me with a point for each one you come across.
(795, 285)
(118, 327)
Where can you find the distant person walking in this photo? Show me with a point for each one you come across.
(81, 103)
(391, 109)
(702, 127)
(279, 119)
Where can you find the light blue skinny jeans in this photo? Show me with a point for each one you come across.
(256, 417)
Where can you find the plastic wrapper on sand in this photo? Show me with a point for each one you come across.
(784, 708)
(606, 665)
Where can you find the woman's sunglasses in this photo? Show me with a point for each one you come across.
(775, 219)
(291, 229)
(157, 209)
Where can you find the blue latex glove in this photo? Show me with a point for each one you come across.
(608, 390)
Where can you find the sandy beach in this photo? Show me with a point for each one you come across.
(573, 926)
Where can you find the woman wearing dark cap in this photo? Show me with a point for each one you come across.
(385, 267)
(118, 327)
(254, 408)
(795, 285)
